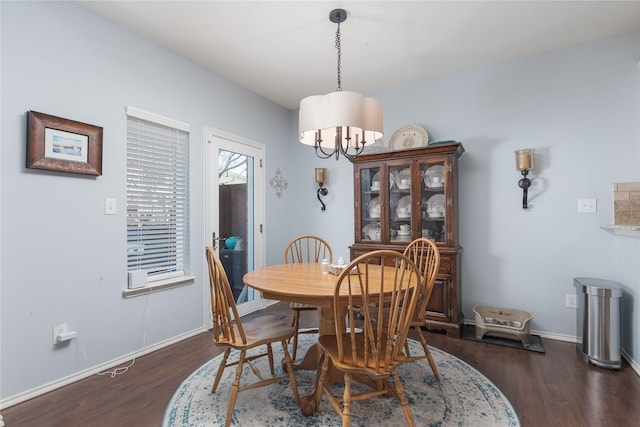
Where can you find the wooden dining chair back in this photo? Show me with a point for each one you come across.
(306, 248)
(231, 332)
(371, 348)
(426, 255)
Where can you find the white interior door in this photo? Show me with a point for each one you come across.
(235, 210)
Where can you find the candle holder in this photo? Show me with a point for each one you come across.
(524, 163)
(321, 174)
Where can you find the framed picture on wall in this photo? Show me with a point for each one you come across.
(64, 145)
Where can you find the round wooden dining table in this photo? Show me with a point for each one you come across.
(298, 282)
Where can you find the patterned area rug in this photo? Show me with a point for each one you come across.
(463, 397)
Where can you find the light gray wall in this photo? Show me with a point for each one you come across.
(580, 109)
(63, 260)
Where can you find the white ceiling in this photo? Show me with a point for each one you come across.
(285, 51)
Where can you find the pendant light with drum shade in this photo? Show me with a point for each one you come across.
(340, 122)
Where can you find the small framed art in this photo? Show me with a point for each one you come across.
(63, 145)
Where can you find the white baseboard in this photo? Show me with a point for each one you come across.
(38, 391)
(556, 337)
(573, 339)
(634, 365)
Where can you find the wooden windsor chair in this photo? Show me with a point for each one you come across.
(371, 352)
(306, 248)
(426, 255)
(229, 331)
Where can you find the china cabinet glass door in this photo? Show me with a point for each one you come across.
(400, 203)
(433, 201)
(371, 203)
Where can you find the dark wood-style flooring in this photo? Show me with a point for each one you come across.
(552, 389)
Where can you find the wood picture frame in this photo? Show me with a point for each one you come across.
(63, 145)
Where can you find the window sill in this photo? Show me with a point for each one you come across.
(623, 230)
(159, 285)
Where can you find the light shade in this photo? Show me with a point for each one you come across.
(524, 159)
(321, 175)
(344, 113)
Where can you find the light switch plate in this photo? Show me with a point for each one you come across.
(587, 205)
(109, 206)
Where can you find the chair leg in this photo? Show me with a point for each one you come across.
(321, 380)
(221, 369)
(346, 401)
(292, 376)
(296, 326)
(402, 397)
(432, 363)
(235, 388)
(270, 357)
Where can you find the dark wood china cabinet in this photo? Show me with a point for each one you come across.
(403, 195)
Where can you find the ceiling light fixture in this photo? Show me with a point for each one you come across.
(340, 122)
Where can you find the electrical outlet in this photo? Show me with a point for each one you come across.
(57, 330)
(571, 301)
(587, 205)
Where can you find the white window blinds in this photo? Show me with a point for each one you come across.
(157, 194)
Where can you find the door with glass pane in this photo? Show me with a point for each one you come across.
(235, 209)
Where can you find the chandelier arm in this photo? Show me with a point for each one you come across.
(355, 154)
(323, 154)
(318, 147)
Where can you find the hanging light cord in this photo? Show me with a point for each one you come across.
(339, 48)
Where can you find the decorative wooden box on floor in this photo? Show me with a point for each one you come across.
(502, 322)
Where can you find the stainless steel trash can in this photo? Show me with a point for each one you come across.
(599, 321)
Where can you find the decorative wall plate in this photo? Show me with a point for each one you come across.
(409, 137)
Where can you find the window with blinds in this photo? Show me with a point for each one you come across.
(157, 194)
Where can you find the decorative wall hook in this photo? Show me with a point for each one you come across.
(322, 191)
(278, 183)
(524, 163)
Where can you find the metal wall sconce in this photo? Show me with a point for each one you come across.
(524, 163)
(321, 174)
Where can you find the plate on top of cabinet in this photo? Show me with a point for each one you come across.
(409, 137)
